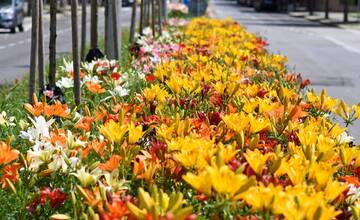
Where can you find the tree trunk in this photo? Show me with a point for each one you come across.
(107, 28)
(111, 43)
(75, 51)
(52, 43)
(41, 48)
(159, 8)
(164, 11)
(116, 27)
(147, 13)
(133, 25)
(141, 25)
(153, 20)
(83, 29)
(34, 48)
(326, 9)
(29, 6)
(94, 24)
(346, 11)
(310, 7)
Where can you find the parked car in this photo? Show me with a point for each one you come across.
(127, 2)
(260, 5)
(245, 2)
(12, 14)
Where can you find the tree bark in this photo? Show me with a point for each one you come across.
(107, 28)
(34, 48)
(41, 70)
(147, 13)
(164, 11)
(52, 43)
(159, 8)
(153, 19)
(326, 9)
(83, 29)
(310, 7)
(141, 25)
(116, 27)
(111, 42)
(29, 6)
(133, 24)
(75, 51)
(346, 11)
(94, 24)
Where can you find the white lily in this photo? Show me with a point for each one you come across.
(119, 91)
(39, 130)
(65, 82)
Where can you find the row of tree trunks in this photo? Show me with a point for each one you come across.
(311, 8)
(150, 14)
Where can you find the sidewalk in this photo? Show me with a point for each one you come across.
(335, 18)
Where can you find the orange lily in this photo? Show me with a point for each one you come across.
(6, 154)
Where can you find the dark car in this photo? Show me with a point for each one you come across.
(127, 2)
(260, 5)
(245, 2)
(11, 14)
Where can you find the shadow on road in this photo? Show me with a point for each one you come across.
(4, 32)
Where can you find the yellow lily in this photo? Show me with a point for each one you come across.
(257, 160)
(113, 131)
(135, 133)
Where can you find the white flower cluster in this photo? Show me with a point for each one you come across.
(7, 121)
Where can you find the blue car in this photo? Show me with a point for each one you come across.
(12, 15)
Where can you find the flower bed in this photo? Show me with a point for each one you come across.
(204, 124)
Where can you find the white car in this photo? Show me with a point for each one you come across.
(11, 14)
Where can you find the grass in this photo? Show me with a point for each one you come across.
(14, 95)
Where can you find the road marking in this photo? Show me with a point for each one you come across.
(343, 45)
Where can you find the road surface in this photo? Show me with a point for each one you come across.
(15, 48)
(328, 56)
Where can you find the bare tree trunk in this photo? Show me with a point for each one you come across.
(326, 9)
(147, 13)
(116, 27)
(310, 7)
(52, 43)
(94, 24)
(111, 43)
(153, 20)
(83, 29)
(41, 47)
(133, 24)
(75, 51)
(34, 48)
(164, 9)
(107, 28)
(159, 8)
(29, 6)
(141, 26)
(346, 10)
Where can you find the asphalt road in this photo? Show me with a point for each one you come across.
(328, 56)
(15, 48)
